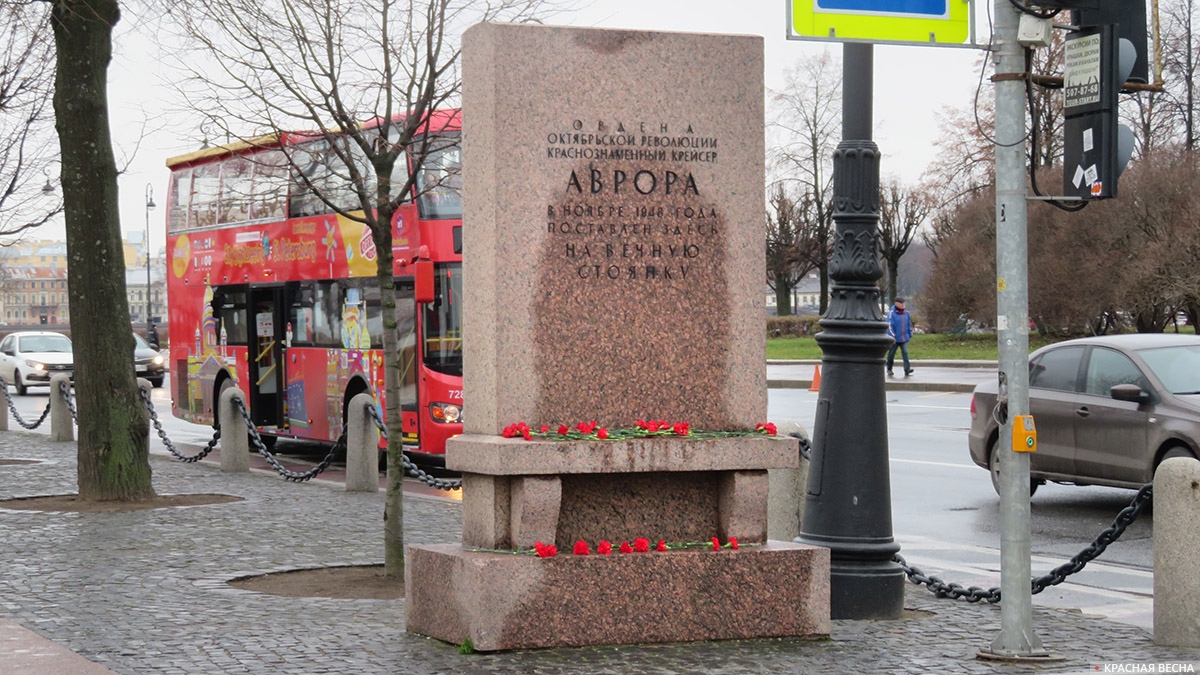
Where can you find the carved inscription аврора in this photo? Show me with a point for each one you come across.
(632, 304)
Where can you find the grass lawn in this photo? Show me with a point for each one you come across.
(928, 346)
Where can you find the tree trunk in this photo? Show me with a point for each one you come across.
(393, 509)
(783, 298)
(113, 424)
(893, 271)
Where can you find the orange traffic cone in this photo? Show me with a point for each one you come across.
(816, 383)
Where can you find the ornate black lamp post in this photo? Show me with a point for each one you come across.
(849, 504)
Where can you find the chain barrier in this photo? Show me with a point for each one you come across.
(409, 467)
(65, 389)
(12, 408)
(294, 476)
(805, 447)
(1056, 576)
(162, 434)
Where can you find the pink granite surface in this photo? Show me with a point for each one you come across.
(502, 512)
(503, 601)
(498, 456)
(612, 186)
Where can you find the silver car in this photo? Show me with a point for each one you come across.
(1107, 409)
(29, 358)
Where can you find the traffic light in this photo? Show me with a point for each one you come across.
(1129, 16)
(1096, 148)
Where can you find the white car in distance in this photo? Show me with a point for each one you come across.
(31, 358)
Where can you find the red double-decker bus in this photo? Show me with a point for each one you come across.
(271, 291)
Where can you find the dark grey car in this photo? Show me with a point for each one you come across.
(147, 361)
(1107, 409)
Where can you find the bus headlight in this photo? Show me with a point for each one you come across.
(445, 413)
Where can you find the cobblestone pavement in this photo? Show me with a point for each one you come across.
(146, 592)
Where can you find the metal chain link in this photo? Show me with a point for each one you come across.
(1127, 515)
(12, 407)
(946, 590)
(212, 444)
(805, 447)
(1056, 576)
(409, 467)
(66, 392)
(294, 476)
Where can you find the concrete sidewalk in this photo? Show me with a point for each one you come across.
(147, 592)
(928, 375)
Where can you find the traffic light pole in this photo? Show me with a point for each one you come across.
(1016, 640)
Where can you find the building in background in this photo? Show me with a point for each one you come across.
(33, 283)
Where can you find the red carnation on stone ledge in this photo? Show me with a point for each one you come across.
(716, 544)
(733, 543)
(544, 551)
(602, 433)
(604, 548)
(581, 548)
(662, 546)
(626, 548)
(682, 428)
(768, 428)
(562, 430)
(641, 544)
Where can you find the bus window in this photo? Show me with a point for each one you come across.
(310, 157)
(270, 186)
(442, 325)
(206, 190)
(327, 314)
(361, 314)
(406, 325)
(230, 306)
(300, 313)
(439, 182)
(235, 191)
(181, 198)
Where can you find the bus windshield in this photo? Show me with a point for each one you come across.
(442, 325)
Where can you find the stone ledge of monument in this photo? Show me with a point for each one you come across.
(928, 363)
(499, 456)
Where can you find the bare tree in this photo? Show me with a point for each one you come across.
(1181, 64)
(808, 113)
(113, 443)
(902, 213)
(26, 132)
(790, 246)
(365, 78)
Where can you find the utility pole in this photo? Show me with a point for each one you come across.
(1016, 640)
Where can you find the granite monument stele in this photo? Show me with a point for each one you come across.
(613, 271)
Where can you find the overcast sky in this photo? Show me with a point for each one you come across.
(911, 85)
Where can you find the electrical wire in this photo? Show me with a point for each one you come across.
(1033, 142)
(1048, 14)
(987, 54)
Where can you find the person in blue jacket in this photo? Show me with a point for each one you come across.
(900, 328)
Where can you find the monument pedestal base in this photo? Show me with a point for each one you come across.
(504, 601)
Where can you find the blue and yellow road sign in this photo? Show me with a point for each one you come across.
(924, 21)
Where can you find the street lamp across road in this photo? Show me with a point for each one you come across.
(149, 207)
